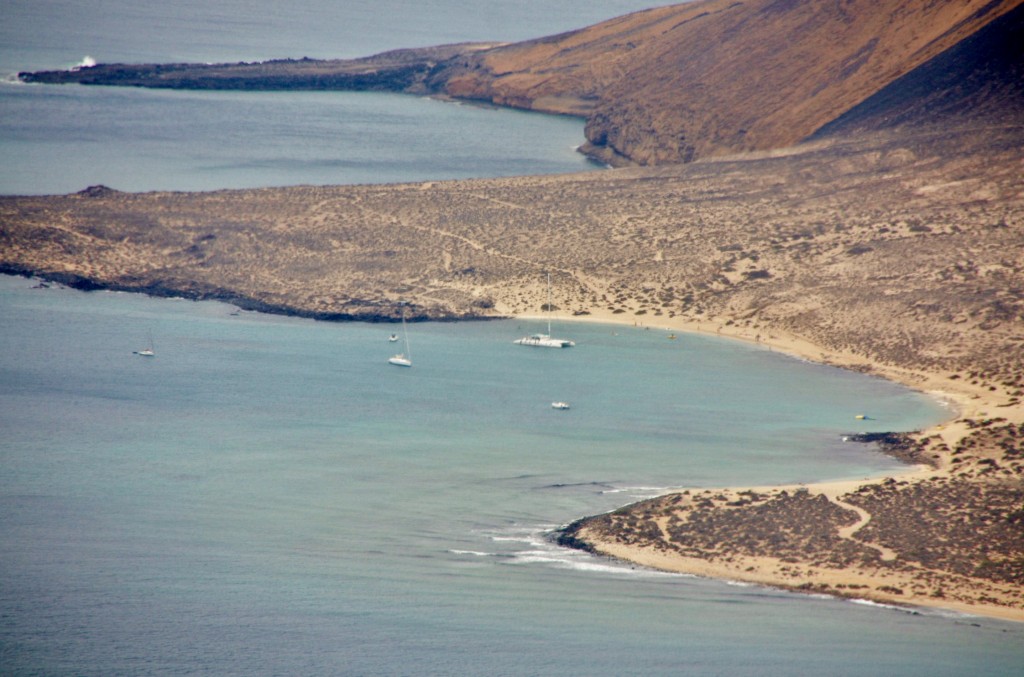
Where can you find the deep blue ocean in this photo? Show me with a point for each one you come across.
(267, 496)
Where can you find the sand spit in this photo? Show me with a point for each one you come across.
(947, 533)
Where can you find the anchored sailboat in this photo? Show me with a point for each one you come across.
(545, 340)
(147, 352)
(403, 359)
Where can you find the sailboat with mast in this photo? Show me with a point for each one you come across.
(147, 352)
(545, 340)
(403, 359)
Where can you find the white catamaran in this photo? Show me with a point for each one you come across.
(545, 340)
(403, 359)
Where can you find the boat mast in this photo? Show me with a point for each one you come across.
(549, 304)
(408, 353)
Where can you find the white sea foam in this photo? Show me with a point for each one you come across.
(474, 553)
(882, 605)
(539, 549)
(944, 400)
(641, 491)
(523, 538)
(585, 562)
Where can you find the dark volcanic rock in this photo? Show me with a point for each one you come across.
(403, 70)
(567, 537)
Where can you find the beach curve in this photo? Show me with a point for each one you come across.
(882, 578)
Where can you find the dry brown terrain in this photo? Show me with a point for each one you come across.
(706, 78)
(892, 244)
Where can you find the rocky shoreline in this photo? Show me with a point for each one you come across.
(372, 311)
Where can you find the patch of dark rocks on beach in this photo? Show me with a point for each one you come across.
(73, 281)
(901, 446)
(568, 536)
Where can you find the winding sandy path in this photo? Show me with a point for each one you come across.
(887, 554)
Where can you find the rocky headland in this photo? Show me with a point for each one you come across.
(401, 70)
(876, 227)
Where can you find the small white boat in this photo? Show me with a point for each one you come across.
(147, 352)
(402, 359)
(559, 405)
(393, 338)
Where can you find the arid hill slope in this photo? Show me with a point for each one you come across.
(706, 78)
(981, 79)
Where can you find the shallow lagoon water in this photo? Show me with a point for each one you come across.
(267, 495)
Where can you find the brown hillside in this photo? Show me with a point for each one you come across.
(715, 77)
(980, 79)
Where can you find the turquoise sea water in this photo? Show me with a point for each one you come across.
(269, 496)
